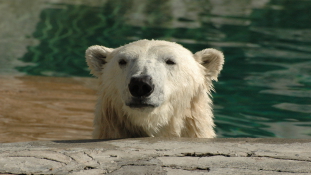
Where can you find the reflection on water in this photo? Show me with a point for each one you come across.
(46, 108)
(264, 89)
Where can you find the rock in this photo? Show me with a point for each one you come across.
(157, 156)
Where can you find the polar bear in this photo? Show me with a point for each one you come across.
(154, 88)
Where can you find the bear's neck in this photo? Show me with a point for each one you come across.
(190, 118)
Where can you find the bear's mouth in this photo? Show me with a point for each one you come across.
(133, 105)
(140, 103)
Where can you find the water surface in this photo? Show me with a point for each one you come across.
(263, 91)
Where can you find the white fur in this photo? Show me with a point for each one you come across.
(181, 97)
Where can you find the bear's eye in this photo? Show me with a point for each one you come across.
(122, 62)
(170, 62)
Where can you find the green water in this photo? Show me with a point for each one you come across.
(265, 87)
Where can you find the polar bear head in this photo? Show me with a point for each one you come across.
(151, 81)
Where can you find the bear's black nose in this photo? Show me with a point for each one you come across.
(141, 86)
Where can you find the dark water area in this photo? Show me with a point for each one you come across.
(264, 89)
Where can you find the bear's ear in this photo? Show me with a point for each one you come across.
(212, 60)
(96, 58)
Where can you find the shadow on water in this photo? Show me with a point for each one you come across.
(265, 87)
